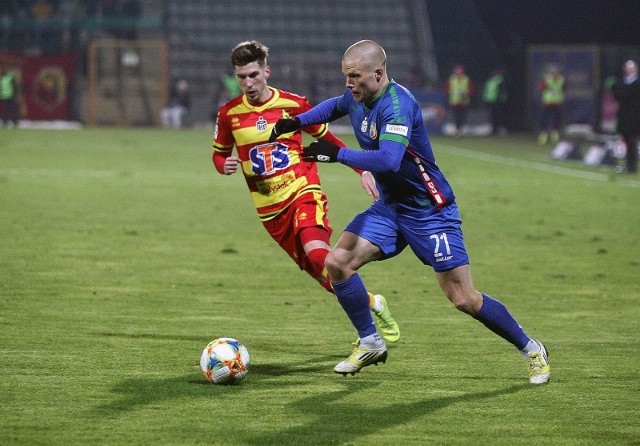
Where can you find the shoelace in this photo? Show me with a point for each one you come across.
(535, 361)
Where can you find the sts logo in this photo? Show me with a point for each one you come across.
(268, 158)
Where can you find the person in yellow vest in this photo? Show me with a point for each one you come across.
(494, 95)
(459, 90)
(552, 88)
(9, 110)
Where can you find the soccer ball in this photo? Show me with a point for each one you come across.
(225, 361)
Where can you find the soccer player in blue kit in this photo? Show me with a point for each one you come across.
(416, 208)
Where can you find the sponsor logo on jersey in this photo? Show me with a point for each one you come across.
(271, 186)
(268, 158)
(443, 259)
(431, 186)
(396, 129)
(364, 125)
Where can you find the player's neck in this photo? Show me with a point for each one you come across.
(265, 97)
(378, 94)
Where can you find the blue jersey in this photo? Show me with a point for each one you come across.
(396, 147)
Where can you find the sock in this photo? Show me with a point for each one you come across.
(354, 299)
(315, 267)
(495, 316)
(372, 341)
(532, 346)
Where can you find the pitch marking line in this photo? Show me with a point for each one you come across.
(601, 177)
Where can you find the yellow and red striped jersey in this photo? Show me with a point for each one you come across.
(275, 173)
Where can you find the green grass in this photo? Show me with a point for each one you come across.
(123, 253)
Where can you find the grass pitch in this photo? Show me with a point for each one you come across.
(123, 253)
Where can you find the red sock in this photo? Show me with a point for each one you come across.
(315, 266)
(315, 257)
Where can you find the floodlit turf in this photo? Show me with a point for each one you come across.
(123, 253)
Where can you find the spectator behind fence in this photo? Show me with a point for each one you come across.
(9, 93)
(178, 105)
(627, 93)
(494, 96)
(459, 90)
(552, 88)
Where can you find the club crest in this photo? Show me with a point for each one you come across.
(261, 124)
(373, 131)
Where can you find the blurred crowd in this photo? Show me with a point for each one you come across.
(55, 26)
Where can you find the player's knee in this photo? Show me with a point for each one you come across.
(464, 302)
(338, 266)
(333, 264)
(462, 305)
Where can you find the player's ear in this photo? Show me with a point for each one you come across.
(267, 71)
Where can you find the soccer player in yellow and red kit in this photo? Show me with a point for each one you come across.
(285, 189)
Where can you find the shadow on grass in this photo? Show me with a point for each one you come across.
(342, 422)
(332, 418)
(138, 392)
(320, 365)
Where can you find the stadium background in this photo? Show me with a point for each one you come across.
(124, 253)
(68, 74)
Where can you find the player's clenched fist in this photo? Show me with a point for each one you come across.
(231, 164)
(284, 125)
(321, 152)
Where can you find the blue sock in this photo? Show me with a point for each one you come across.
(495, 316)
(354, 299)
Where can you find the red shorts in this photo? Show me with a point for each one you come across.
(308, 210)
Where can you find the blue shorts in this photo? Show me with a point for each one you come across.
(436, 239)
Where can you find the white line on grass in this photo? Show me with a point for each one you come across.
(604, 178)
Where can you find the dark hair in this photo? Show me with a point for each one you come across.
(246, 52)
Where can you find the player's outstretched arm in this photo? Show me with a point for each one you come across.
(386, 159)
(326, 111)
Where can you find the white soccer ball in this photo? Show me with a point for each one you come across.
(225, 361)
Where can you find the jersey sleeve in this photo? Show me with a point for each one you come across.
(223, 141)
(326, 111)
(222, 137)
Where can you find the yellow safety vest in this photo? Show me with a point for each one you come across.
(459, 90)
(553, 94)
(492, 93)
(7, 90)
